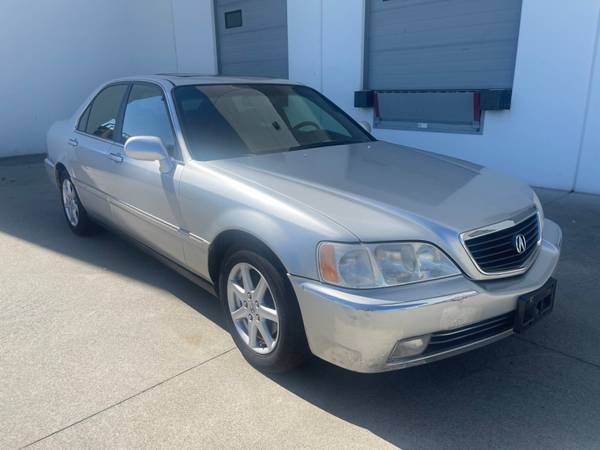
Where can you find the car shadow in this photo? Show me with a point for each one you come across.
(30, 210)
(514, 393)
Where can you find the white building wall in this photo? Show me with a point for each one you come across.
(194, 24)
(326, 48)
(588, 168)
(538, 140)
(305, 41)
(54, 53)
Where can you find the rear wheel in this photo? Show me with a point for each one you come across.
(262, 312)
(76, 215)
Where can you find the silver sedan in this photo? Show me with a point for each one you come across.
(316, 237)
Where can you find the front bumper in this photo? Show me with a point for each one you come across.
(358, 329)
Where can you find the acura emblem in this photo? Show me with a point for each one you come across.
(520, 243)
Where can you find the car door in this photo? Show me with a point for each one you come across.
(143, 200)
(92, 141)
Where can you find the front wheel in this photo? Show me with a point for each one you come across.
(262, 312)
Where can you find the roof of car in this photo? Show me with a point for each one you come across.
(179, 79)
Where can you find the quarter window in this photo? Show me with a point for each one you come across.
(147, 115)
(83, 120)
(102, 118)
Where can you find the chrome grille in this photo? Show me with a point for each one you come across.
(496, 252)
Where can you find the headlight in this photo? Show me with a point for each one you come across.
(365, 266)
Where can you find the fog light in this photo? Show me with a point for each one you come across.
(409, 347)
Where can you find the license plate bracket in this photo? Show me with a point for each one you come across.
(535, 305)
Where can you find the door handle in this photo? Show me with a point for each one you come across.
(115, 157)
(73, 142)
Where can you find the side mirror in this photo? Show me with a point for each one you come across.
(365, 125)
(148, 148)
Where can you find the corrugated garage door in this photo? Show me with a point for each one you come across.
(252, 37)
(437, 64)
(441, 44)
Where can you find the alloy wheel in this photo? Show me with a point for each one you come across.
(253, 308)
(70, 202)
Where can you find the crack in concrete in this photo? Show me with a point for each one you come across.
(560, 352)
(120, 402)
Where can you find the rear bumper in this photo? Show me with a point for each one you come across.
(50, 170)
(358, 329)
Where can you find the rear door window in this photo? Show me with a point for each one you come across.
(104, 111)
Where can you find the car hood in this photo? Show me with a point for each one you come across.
(381, 191)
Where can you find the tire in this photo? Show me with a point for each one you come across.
(75, 214)
(287, 346)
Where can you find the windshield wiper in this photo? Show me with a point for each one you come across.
(322, 144)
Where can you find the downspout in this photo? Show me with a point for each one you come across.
(174, 35)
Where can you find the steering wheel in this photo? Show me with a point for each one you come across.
(306, 123)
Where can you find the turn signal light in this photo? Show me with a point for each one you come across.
(327, 264)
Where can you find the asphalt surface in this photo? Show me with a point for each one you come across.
(103, 347)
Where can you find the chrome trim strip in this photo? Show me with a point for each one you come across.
(152, 219)
(98, 138)
(86, 187)
(483, 231)
(445, 354)
(489, 229)
(144, 215)
(195, 238)
(474, 326)
(358, 303)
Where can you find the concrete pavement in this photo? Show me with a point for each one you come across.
(103, 347)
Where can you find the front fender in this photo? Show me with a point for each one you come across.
(292, 243)
(212, 203)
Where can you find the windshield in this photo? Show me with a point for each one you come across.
(230, 120)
